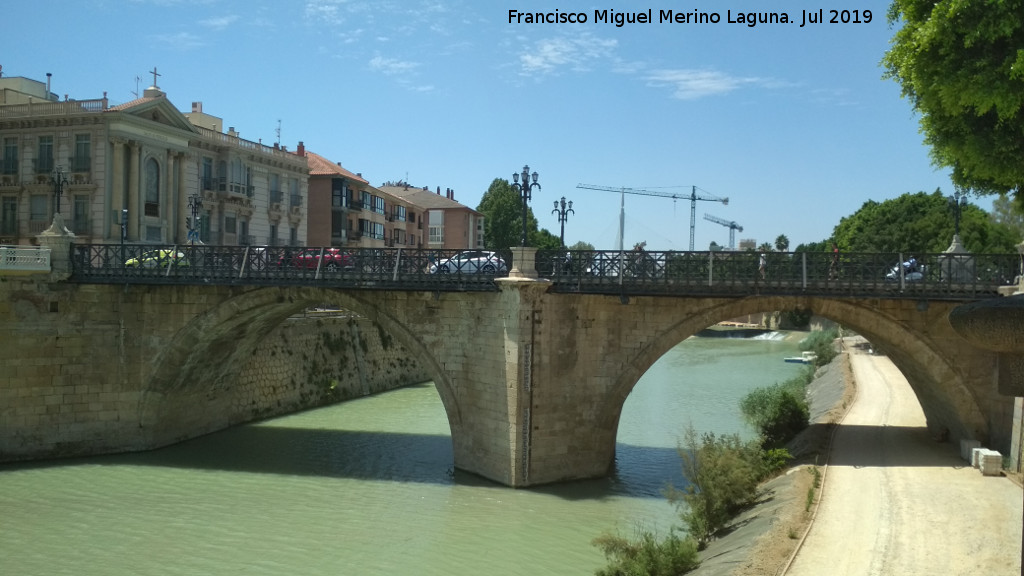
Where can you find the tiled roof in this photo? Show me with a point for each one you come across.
(320, 166)
(423, 198)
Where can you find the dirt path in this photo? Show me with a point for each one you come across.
(897, 502)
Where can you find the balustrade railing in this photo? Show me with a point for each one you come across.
(24, 259)
(737, 274)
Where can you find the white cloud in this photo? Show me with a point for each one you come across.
(577, 53)
(694, 84)
(219, 23)
(182, 40)
(391, 66)
(326, 11)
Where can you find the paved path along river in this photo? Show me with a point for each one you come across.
(895, 501)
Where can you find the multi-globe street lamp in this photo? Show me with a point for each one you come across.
(525, 190)
(59, 182)
(563, 210)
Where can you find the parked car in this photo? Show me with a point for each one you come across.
(470, 262)
(157, 259)
(333, 259)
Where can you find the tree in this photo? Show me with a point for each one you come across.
(503, 217)
(764, 247)
(581, 245)
(782, 243)
(1009, 214)
(961, 64)
(542, 239)
(919, 223)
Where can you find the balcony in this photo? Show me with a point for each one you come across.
(36, 227)
(276, 196)
(246, 240)
(295, 200)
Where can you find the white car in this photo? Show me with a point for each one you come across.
(470, 262)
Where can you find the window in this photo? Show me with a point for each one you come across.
(9, 216)
(273, 235)
(398, 235)
(399, 213)
(204, 227)
(44, 159)
(153, 234)
(378, 205)
(239, 177)
(10, 159)
(371, 229)
(338, 225)
(339, 193)
(436, 218)
(152, 171)
(243, 232)
(80, 162)
(275, 189)
(38, 206)
(80, 214)
(230, 226)
(293, 236)
(412, 217)
(367, 200)
(207, 174)
(293, 186)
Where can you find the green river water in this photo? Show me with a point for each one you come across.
(368, 488)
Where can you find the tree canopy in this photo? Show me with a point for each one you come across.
(502, 208)
(920, 223)
(961, 64)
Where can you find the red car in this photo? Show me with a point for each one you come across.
(333, 259)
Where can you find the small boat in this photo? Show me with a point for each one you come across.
(803, 358)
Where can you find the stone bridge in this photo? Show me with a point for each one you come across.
(533, 382)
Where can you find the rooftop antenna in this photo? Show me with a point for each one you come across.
(278, 131)
(136, 92)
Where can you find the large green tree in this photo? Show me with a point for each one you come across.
(961, 64)
(1008, 213)
(920, 223)
(502, 208)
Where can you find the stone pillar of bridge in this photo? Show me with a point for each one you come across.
(998, 325)
(58, 239)
(522, 296)
(524, 262)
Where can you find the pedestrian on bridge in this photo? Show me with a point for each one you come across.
(762, 265)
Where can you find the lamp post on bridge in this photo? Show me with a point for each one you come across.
(957, 201)
(563, 214)
(525, 190)
(59, 182)
(195, 204)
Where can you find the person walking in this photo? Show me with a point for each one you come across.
(833, 267)
(762, 265)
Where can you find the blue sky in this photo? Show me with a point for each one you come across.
(795, 125)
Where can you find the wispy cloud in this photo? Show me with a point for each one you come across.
(694, 84)
(181, 40)
(576, 53)
(326, 11)
(391, 66)
(219, 23)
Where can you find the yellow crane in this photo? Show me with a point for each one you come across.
(694, 195)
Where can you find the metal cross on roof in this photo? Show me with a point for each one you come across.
(154, 73)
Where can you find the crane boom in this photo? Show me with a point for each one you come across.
(694, 195)
(732, 225)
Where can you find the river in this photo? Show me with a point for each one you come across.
(368, 488)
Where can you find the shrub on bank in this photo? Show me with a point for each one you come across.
(780, 411)
(822, 343)
(647, 555)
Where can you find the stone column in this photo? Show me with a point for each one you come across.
(957, 263)
(182, 201)
(167, 196)
(133, 192)
(117, 188)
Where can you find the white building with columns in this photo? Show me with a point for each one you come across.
(142, 163)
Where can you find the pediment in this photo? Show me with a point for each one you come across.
(158, 110)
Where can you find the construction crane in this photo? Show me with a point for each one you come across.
(694, 195)
(733, 227)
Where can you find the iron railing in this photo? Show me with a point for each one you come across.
(941, 276)
(736, 274)
(364, 268)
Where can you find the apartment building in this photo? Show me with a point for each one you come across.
(442, 223)
(142, 166)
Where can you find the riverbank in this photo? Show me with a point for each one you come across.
(763, 537)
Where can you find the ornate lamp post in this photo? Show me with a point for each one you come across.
(524, 190)
(59, 182)
(957, 201)
(195, 204)
(563, 214)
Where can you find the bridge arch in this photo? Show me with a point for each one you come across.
(948, 402)
(206, 355)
